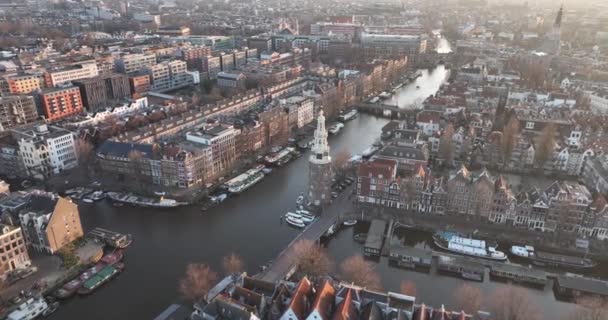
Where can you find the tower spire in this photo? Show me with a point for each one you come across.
(558, 18)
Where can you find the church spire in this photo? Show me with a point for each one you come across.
(558, 18)
(320, 149)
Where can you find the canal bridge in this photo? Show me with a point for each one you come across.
(284, 265)
(385, 110)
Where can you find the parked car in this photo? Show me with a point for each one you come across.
(334, 195)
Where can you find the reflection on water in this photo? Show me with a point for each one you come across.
(415, 93)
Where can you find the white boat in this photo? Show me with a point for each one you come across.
(349, 116)
(384, 95)
(279, 157)
(335, 128)
(218, 198)
(88, 200)
(97, 195)
(523, 252)
(31, 309)
(374, 100)
(295, 222)
(350, 223)
(467, 246)
(74, 190)
(306, 219)
(267, 170)
(245, 181)
(304, 212)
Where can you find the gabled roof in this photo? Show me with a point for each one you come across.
(346, 309)
(300, 299)
(371, 311)
(378, 167)
(323, 303)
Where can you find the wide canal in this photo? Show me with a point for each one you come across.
(248, 225)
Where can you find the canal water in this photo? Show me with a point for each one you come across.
(166, 240)
(413, 94)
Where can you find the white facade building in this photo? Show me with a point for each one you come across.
(46, 150)
(130, 63)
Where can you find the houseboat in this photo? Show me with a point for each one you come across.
(547, 259)
(103, 276)
(30, 309)
(465, 268)
(280, 157)
(244, 181)
(410, 257)
(143, 201)
(519, 274)
(467, 246)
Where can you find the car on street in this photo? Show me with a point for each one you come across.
(334, 195)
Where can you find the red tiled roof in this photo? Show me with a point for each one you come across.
(428, 117)
(324, 300)
(298, 304)
(346, 310)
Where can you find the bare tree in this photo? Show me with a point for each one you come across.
(233, 264)
(509, 138)
(446, 145)
(408, 288)
(311, 258)
(84, 149)
(135, 158)
(356, 269)
(340, 162)
(197, 281)
(468, 298)
(545, 145)
(511, 303)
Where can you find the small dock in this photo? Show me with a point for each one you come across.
(110, 238)
(386, 248)
(571, 286)
(375, 238)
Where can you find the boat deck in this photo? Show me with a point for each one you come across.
(558, 258)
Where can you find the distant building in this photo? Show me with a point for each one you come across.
(173, 31)
(13, 254)
(302, 109)
(390, 46)
(130, 63)
(216, 43)
(45, 149)
(23, 83)
(97, 92)
(211, 66)
(16, 111)
(320, 172)
(59, 103)
(139, 83)
(50, 222)
(219, 144)
(262, 44)
(230, 80)
(69, 74)
(193, 55)
(227, 61)
(169, 75)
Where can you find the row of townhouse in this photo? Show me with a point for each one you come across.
(560, 207)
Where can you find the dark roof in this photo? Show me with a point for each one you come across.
(594, 286)
(371, 311)
(175, 312)
(122, 149)
(42, 203)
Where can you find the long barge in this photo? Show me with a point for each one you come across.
(547, 259)
(136, 200)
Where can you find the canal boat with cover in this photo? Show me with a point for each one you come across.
(468, 246)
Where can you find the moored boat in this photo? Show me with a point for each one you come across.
(143, 201)
(305, 218)
(68, 289)
(452, 242)
(349, 223)
(280, 157)
(50, 309)
(353, 114)
(103, 276)
(298, 223)
(547, 259)
(245, 181)
(30, 309)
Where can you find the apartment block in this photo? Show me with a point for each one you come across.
(65, 76)
(16, 111)
(59, 103)
(13, 251)
(130, 63)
